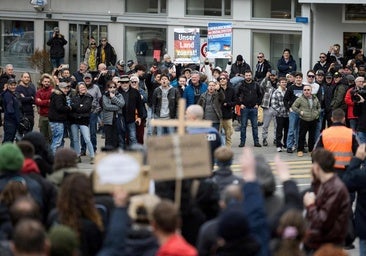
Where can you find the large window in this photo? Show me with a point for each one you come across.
(276, 9)
(79, 36)
(144, 44)
(272, 45)
(208, 7)
(17, 43)
(356, 12)
(146, 6)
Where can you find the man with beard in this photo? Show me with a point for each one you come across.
(250, 98)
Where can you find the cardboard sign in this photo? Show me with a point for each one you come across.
(178, 157)
(120, 170)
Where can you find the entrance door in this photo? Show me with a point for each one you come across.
(79, 41)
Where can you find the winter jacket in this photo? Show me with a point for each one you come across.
(59, 110)
(28, 100)
(12, 107)
(230, 100)
(217, 99)
(191, 95)
(110, 55)
(81, 106)
(224, 176)
(338, 97)
(350, 104)
(43, 99)
(133, 103)
(112, 107)
(239, 69)
(173, 98)
(286, 67)
(57, 46)
(249, 94)
(261, 70)
(309, 113)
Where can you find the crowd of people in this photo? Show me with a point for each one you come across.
(322, 112)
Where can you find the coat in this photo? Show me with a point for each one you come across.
(309, 113)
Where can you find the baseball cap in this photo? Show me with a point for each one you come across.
(121, 63)
(12, 81)
(273, 72)
(88, 75)
(63, 85)
(319, 72)
(130, 63)
(329, 74)
(337, 74)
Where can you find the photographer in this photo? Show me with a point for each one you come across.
(57, 51)
(359, 109)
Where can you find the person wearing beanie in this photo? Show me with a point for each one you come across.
(223, 176)
(238, 70)
(11, 163)
(64, 241)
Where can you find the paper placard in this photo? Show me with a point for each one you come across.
(178, 157)
(120, 170)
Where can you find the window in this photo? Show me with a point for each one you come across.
(355, 12)
(272, 45)
(146, 6)
(144, 44)
(276, 9)
(208, 7)
(17, 43)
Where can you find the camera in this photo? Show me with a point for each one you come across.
(356, 93)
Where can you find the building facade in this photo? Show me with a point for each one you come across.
(136, 28)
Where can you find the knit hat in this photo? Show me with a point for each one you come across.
(64, 240)
(233, 225)
(11, 158)
(239, 58)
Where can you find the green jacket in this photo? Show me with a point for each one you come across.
(302, 104)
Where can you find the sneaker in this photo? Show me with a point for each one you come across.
(257, 145)
(82, 153)
(289, 150)
(300, 154)
(92, 160)
(241, 145)
(279, 149)
(265, 143)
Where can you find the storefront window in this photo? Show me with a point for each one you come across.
(272, 45)
(356, 12)
(146, 6)
(208, 7)
(276, 9)
(144, 44)
(17, 43)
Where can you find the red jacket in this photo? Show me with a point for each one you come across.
(349, 102)
(176, 246)
(43, 97)
(30, 166)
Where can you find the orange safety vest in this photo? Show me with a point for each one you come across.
(338, 140)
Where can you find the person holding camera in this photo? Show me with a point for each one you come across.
(57, 51)
(359, 110)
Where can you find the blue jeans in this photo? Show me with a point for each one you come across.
(353, 123)
(57, 135)
(164, 130)
(84, 130)
(319, 124)
(293, 129)
(361, 137)
(56, 62)
(252, 115)
(93, 127)
(362, 247)
(130, 131)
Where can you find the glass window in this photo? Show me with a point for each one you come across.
(208, 7)
(17, 43)
(144, 44)
(355, 12)
(276, 9)
(146, 6)
(272, 45)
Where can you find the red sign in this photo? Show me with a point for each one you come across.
(204, 49)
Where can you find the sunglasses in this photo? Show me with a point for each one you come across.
(222, 78)
(322, 57)
(134, 82)
(103, 40)
(123, 82)
(92, 43)
(259, 57)
(111, 87)
(311, 76)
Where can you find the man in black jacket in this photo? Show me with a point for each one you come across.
(57, 51)
(250, 98)
(58, 113)
(106, 53)
(237, 70)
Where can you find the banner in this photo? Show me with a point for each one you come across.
(187, 45)
(219, 39)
